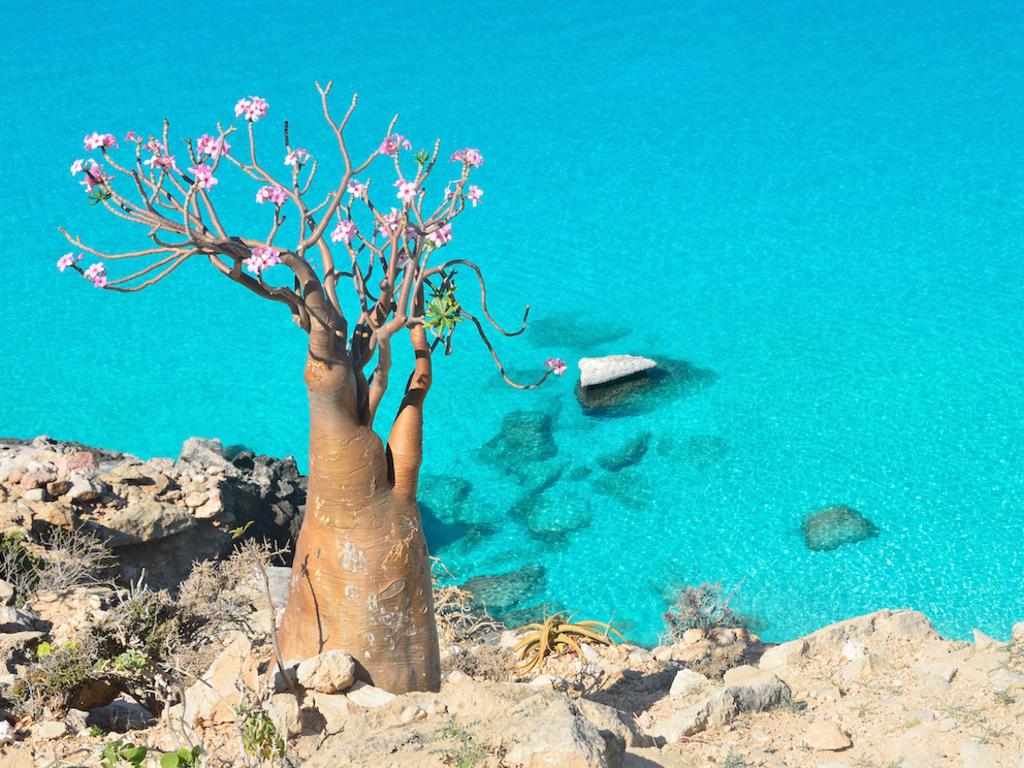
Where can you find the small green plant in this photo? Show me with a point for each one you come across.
(732, 760)
(1005, 697)
(117, 753)
(558, 633)
(912, 723)
(183, 758)
(95, 731)
(55, 675)
(259, 734)
(130, 662)
(469, 751)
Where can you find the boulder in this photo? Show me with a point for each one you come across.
(283, 709)
(333, 709)
(836, 526)
(121, 715)
(366, 695)
(685, 681)
(721, 708)
(644, 391)
(16, 620)
(602, 370)
(784, 654)
(328, 672)
(550, 516)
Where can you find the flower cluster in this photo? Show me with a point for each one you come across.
(356, 188)
(441, 237)
(99, 140)
(406, 190)
(252, 109)
(212, 145)
(67, 260)
(97, 274)
(297, 157)
(469, 157)
(94, 174)
(204, 176)
(389, 223)
(556, 365)
(132, 137)
(275, 193)
(392, 144)
(343, 232)
(160, 158)
(262, 257)
(474, 194)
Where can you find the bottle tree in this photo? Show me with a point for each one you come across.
(360, 576)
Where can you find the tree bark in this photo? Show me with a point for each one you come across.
(361, 576)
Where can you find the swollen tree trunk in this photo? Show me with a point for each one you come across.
(361, 576)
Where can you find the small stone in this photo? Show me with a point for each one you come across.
(829, 693)
(366, 695)
(853, 650)
(195, 499)
(694, 635)
(412, 713)
(1017, 634)
(49, 729)
(328, 672)
(686, 680)
(640, 656)
(76, 720)
(825, 736)
(213, 507)
(34, 494)
(662, 653)
(941, 669)
(946, 724)
(745, 675)
(334, 708)
(6, 592)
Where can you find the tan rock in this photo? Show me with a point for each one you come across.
(49, 729)
(212, 699)
(686, 680)
(366, 695)
(983, 642)
(327, 672)
(284, 711)
(335, 709)
(942, 669)
(1017, 633)
(826, 736)
(694, 635)
(745, 675)
(784, 654)
(977, 755)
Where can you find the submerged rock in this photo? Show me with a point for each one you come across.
(525, 436)
(550, 517)
(595, 371)
(835, 526)
(628, 454)
(630, 487)
(445, 495)
(670, 380)
(701, 451)
(502, 591)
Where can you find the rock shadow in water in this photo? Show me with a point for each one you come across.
(628, 454)
(549, 517)
(631, 487)
(646, 391)
(574, 331)
(524, 436)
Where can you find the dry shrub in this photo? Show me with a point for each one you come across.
(482, 662)
(51, 680)
(59, 560)
(457, 622)
(704, 607)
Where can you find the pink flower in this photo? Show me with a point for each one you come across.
(154, 146)
(212, 145)
(162, 161)
(94, 176)
(406, 190)
(67, 260)
(252, 109)
(343, 232)
(204, 176)
(96, 274)
(392, 143)
(297, 157)
(556, 365)
(97, 140)
(390, 222)
(356, 188)
(441, 237)
(262, 257)
(275, 193)
(469, 157)
(77, 167)
(474, 194)
(132, 136)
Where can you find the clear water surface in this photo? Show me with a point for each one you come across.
(820, 203)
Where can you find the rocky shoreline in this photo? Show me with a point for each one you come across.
(876, 691)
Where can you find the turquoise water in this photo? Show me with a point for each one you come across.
(819, 203)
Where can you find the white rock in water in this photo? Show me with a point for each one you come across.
(601, 370)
